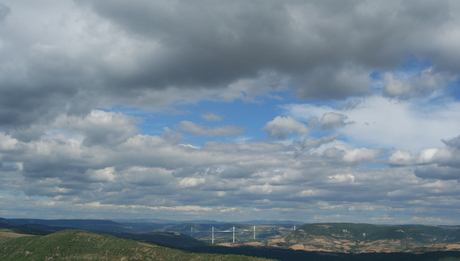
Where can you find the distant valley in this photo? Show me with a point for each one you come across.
(282, 241)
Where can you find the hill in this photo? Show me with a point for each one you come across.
(84, 245)
(165, 238)
(85, 224)
(363, 238)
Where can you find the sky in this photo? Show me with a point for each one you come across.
(315, 111)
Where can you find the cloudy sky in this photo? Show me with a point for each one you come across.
(313, 111)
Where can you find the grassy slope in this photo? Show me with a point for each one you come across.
(83, 245)
(7, 234)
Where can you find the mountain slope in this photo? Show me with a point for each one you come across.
(83, 245)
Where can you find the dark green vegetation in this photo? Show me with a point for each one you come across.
(166, 238)
(299, 255)
(84, 245)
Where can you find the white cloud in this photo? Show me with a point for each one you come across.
(395, 87)
(101, 175)
(191, 182)
(361, 155)
(342, 178)
(211, 117)
(280, 127)
(380, 122)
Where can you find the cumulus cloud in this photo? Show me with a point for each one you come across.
(381, 122)
(346, 155)
(425, 156)
(212, 132)
(332, 120)
(99, 127)
(453, 143)
(432, 163)
(281, 127)
(407, 86)
(362, 155)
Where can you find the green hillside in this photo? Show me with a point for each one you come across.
(82, 245)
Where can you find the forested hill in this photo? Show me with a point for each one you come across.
(84, 245)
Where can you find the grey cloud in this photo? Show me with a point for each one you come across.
(216, 48)
(334, 154)
(231, 172)
(333, 120)
(38, 84)
(148, 176)
(4, 11)
(434, 171)
(334, 82)
(185, 171)
(22, 106)
(453, 143)
(8, 167)
(315, 143)
(237, 39)
(346, 156)
(152, 54)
